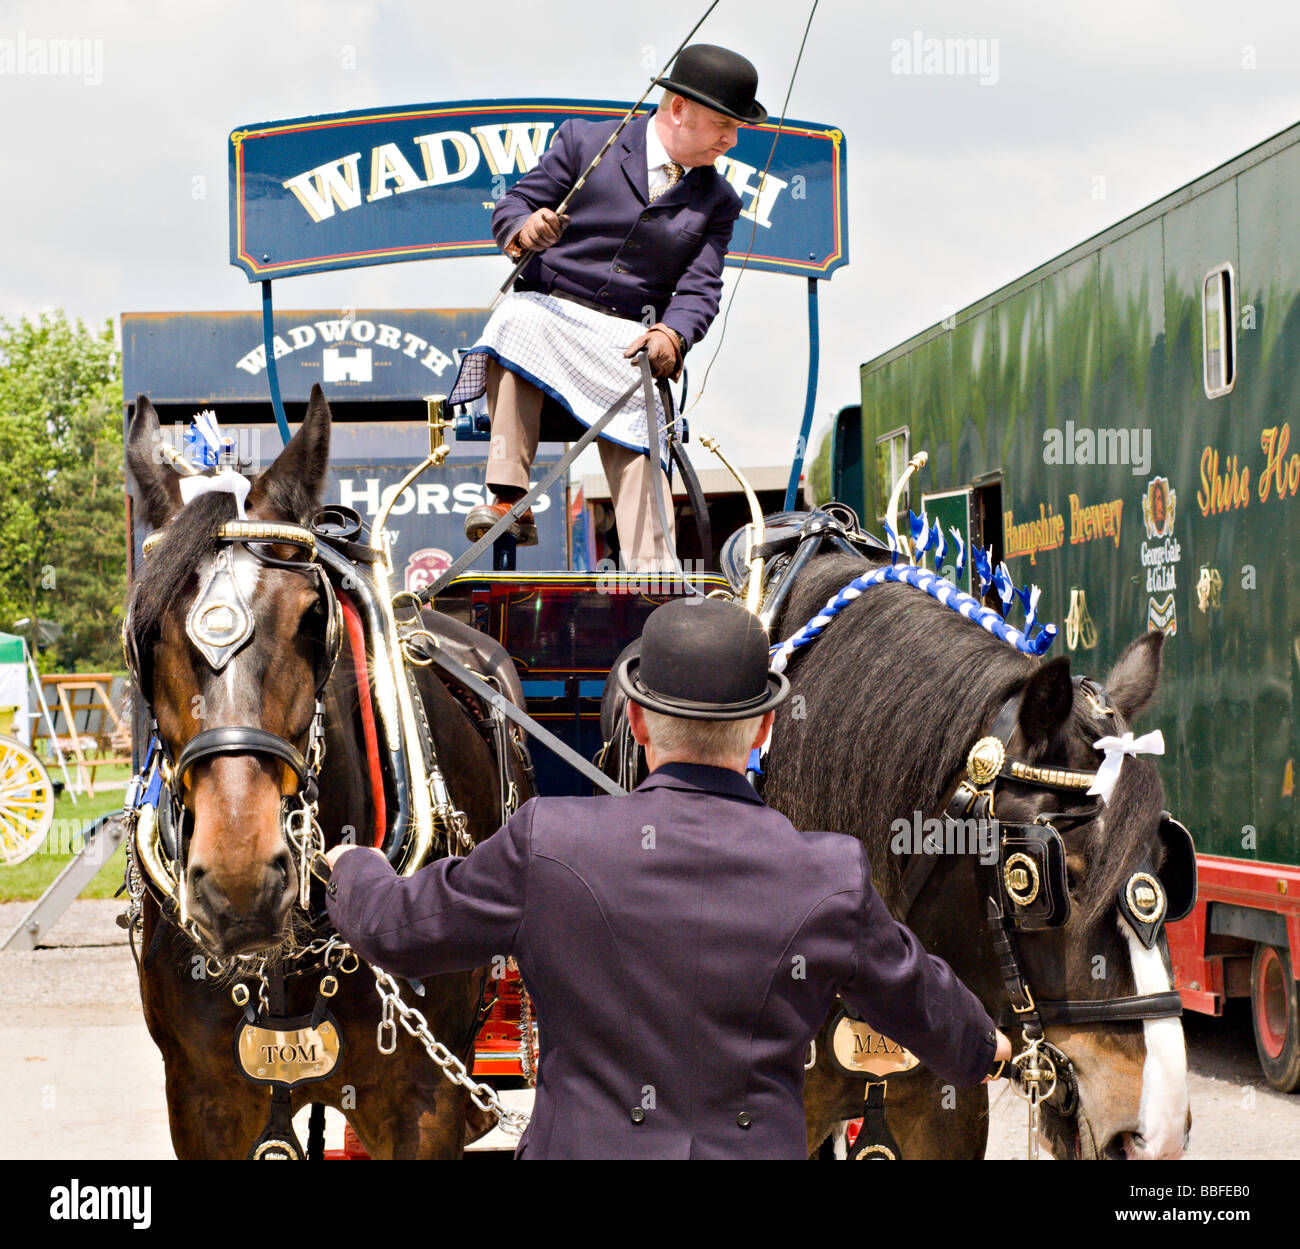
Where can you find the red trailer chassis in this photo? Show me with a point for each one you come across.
(1240, 942)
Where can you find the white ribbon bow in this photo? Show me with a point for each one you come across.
(1115, 749)
(226, 481)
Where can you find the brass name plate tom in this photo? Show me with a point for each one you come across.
(296, 1052)
(860, 1050)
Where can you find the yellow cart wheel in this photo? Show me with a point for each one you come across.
(26, 802)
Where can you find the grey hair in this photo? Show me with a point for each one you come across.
(716, 742)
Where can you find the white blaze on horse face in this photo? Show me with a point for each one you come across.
(1162, 1112)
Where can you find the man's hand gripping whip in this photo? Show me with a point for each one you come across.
(586, 173)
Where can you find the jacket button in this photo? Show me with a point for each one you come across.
(637, 1114)
(332, 889)
(743, 1119)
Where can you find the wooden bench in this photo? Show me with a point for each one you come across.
(87, 725)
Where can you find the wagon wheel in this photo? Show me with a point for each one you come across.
(26, 802)
(1276, 1016)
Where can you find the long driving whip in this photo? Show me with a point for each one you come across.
(586, 173)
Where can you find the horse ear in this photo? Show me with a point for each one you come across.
(292, 488)
(1047, 701)
(160, 487)
(1133, 680)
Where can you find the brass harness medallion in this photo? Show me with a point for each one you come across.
(1146, 897)
(1020, 879)
(985, 760)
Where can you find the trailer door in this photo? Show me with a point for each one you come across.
(952, 510)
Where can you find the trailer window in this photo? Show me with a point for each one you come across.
(891, 460)
(1219, 323)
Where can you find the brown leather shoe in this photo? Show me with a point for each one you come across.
(485, 515)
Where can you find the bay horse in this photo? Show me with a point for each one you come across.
(238, 877)
(885, 707)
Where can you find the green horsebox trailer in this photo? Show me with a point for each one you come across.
(1122, 426)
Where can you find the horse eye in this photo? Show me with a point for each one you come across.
(1075, 869)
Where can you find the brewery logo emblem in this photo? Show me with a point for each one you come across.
(1160, 555)
(424, 566)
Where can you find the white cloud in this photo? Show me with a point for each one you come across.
(955, 188)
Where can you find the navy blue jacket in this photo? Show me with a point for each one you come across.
(619, 250)
(682, 945)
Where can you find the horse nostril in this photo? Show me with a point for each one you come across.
(207, 899)
(280, 874)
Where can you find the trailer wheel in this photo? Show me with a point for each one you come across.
(1276, 1017)
(26, 802)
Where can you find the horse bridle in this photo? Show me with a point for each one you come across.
(1029, 892)
(219, 624)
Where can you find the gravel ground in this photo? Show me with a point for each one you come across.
(81, 1078)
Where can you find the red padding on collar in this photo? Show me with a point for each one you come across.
(357, 648)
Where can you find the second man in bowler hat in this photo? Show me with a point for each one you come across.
(682, 943)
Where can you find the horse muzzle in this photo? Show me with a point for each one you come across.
(243, 920)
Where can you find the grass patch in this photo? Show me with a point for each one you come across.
(31, 878)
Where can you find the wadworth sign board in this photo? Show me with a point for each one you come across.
(355, 353)
(376, 186)
(376, 366)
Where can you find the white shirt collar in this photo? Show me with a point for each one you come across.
(655, 154)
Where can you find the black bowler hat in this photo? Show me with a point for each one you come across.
(702, 660)
(717, 78)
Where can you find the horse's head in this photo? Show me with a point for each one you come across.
(192, 593)
(1131, 1074)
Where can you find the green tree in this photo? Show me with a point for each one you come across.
(62, 510)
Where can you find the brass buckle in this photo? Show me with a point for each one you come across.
(1025, 1010)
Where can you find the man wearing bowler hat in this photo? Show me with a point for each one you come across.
(682, 943)
(635, 263)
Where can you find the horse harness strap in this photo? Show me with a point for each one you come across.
(239, 741)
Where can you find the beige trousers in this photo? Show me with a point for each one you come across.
(515, 406)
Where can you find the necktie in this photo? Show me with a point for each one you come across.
(675, 172)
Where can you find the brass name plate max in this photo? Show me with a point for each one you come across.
(860, 1050)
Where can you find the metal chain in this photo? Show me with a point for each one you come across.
(527, 1050)
(134, 883)
(304, 834)
(415, 1024)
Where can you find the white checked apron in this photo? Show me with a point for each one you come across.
(572, 353)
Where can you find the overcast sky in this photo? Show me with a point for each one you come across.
(115, 190)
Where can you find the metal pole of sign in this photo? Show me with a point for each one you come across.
(814, 351)
(272, 374)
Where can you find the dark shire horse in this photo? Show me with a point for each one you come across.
(239, 882)
(886, 705)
